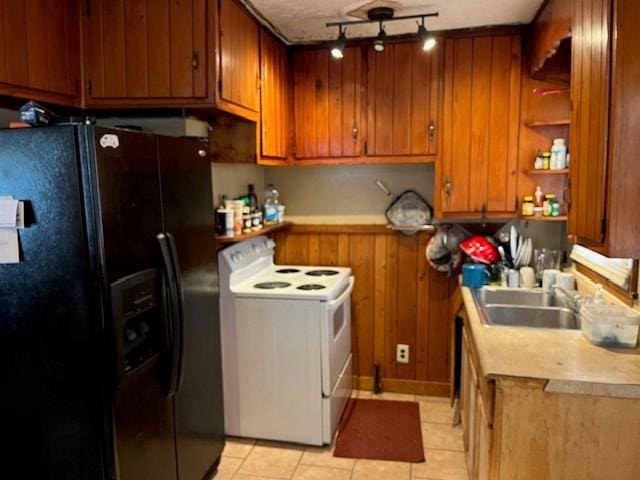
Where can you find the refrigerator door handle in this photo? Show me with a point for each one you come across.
(180, 310)
(172, 314)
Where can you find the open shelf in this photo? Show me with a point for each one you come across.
(561, 218)
(266, 230)
(564, 171)
(550, 123)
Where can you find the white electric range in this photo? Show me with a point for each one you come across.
(286, 345)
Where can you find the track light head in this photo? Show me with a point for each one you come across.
(337, 49)
(378, 43)
(427, 40)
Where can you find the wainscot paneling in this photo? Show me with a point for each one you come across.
(397, 299)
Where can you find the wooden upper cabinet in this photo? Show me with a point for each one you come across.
(274, 97)
(624, 144)
(589, 118)
(478, 171)
(40, 50)
(141, 52)
(328, 104)
(403, 90)
(549, 42)
(239, 72)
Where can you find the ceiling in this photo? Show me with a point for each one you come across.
(304, 20)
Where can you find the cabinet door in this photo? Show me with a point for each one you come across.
(145, 52)
(239, 57)
(481, 115)
(589, 118)
(624, 181)
(39, 50)
(274, 97)
(403, 100)
(328, 103)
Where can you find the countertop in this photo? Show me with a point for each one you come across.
(564, 357)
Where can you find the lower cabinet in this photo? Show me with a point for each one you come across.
(474, 403)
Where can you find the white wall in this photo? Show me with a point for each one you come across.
(232, 179)
(346, 194)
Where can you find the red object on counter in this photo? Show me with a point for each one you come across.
(481, 250)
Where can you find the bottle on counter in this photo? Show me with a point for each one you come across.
(538, 201)
(247, 220)
(238, 221)
(271, 204)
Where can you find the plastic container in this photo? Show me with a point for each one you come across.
(558, 154)
(610, 325)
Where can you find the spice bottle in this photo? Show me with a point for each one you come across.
(528, 206)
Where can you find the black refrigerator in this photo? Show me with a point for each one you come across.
(110, 361)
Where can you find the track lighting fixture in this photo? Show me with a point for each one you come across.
(427, 40)
(378, 43)
(337, 50)
(380, 16)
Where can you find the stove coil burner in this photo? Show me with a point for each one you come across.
(288, 271)
(311, 286)
(271, 285)
(322, 273)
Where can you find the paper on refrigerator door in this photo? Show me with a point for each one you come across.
(9, 251)
(8, 212)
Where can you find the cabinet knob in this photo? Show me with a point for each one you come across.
(354, 132)
(431, 130)
(447, 187)
(202, 153)
(195, 60)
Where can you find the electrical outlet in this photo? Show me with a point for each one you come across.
(402, 353)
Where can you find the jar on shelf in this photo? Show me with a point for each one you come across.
(549, 198)
(528, 207)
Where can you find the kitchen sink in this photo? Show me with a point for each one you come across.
(523, 296)
(533, 308)
(527, 316)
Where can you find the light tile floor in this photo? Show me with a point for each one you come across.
(259, 460)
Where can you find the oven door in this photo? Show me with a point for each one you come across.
(336, 337)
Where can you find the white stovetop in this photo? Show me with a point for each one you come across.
(333, 285)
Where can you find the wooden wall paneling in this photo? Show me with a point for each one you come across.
(590, 94)
(135, 41)
(397, 299)
(182, 48)
(624, 187)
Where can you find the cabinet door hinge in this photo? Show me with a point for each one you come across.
(603, 228)
(365, 147)
(294, 150)
(89, 88)
(220, 86)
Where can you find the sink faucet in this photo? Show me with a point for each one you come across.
(573, 297)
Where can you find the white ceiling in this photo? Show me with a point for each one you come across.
(304, 20)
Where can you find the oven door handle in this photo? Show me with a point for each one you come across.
(333, 305)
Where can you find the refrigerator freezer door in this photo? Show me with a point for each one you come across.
(50, 382)
(130, 206)
(185, 171)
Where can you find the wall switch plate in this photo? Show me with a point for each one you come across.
(402, 353)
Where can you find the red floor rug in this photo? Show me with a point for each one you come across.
(380, 430)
